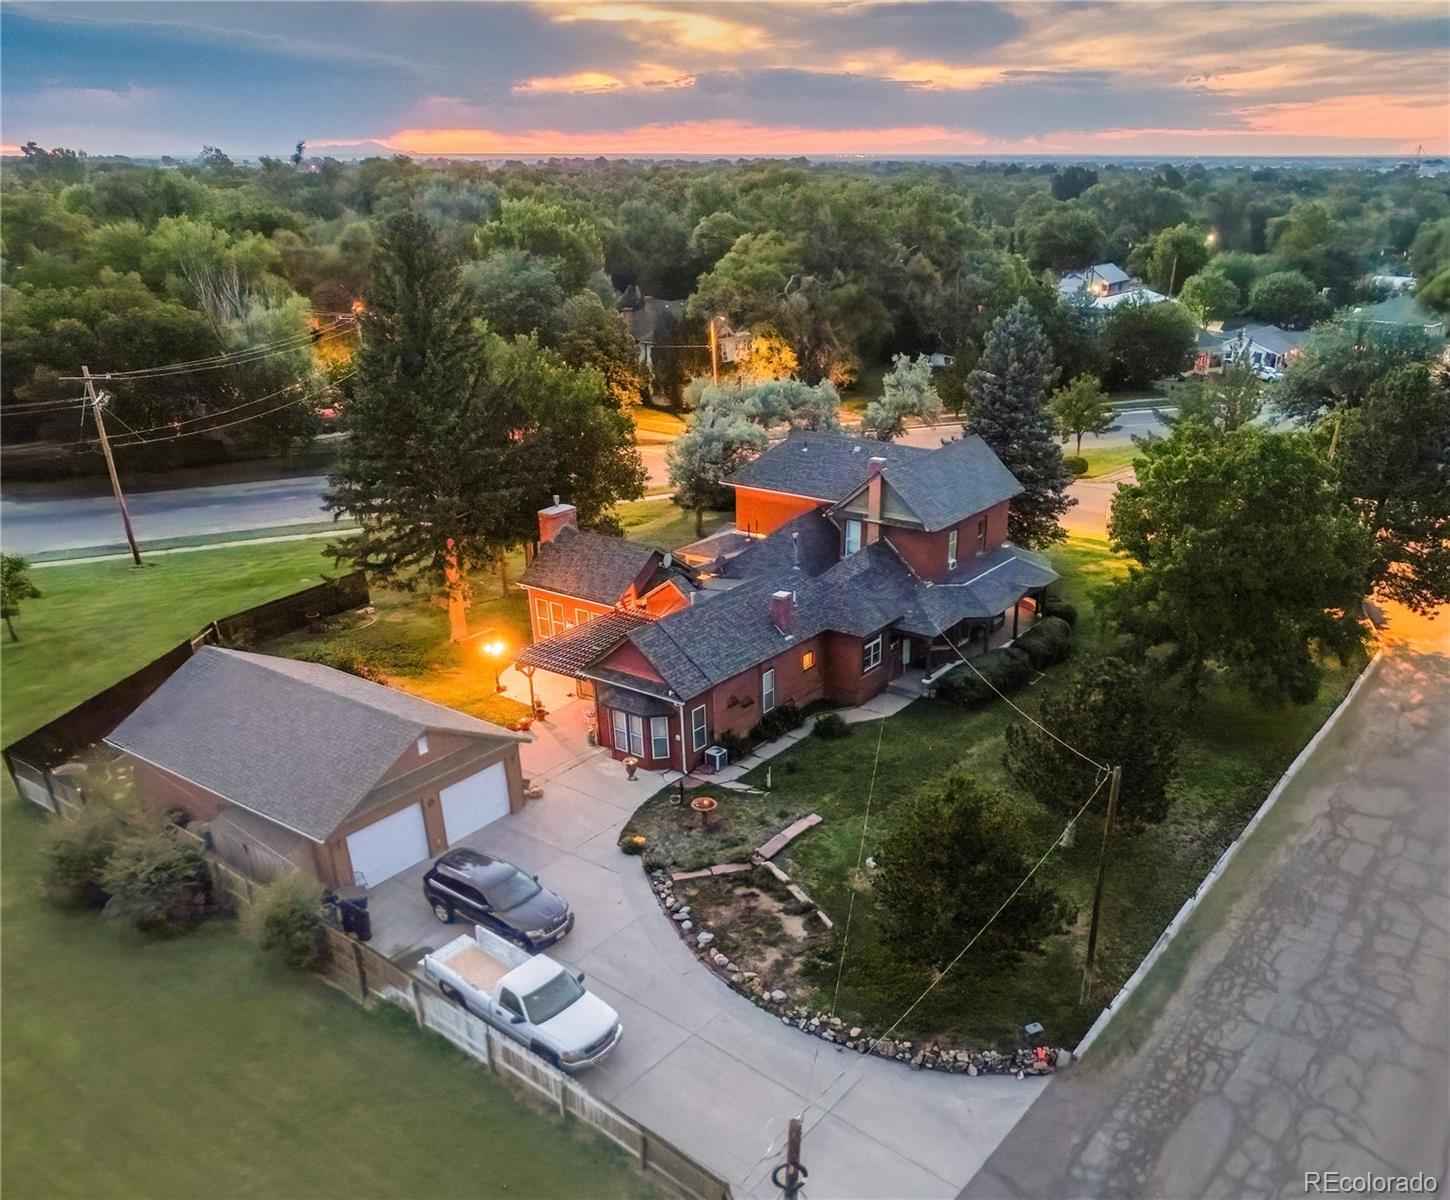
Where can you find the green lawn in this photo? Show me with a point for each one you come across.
(1234, 749)
(1103, 460)
(180, 1067)
(655, 426)
(664, 524)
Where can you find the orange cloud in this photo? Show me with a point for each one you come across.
(646, 75)
(683, 26)
(1385, 115)
(726, 137)
(927, 74)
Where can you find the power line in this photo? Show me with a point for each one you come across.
(860, 857)
(235, 407)
(48, 405)
(1026, 716)
(145, 441)
(1102, 779)
(230, 358)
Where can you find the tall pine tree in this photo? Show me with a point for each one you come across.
(430, 470)
(1007, 407)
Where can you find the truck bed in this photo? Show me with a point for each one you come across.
(480, 969)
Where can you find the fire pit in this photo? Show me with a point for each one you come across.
(704, 805)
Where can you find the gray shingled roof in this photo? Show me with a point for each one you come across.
(950, 484)
(812, 541)
(570, 652)
(821, 466)
(296, 742)
(592, 566)
(978, 589)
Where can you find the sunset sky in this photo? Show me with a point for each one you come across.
(632, 77)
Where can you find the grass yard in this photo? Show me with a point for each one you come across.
(1103, 460)
(144, 1068)
(655, 426)
(1234, 749)
(664, 524)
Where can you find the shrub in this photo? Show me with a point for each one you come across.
(1047, 643)
(777, 723)
(1061, 609)
(1007, 669)
(345, 658)
(831, 726)
(156, 881)
(634, 843)
(736, 745)
(1078, 466)
(75, 851)
(286, 920)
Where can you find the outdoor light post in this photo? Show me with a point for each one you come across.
(492, 648)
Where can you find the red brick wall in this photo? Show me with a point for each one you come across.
(845, 683)
(926, 553)
(764, 512)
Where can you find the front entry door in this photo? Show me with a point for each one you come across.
(905, 653)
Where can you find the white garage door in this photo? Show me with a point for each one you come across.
(382, 849)
(472, 803)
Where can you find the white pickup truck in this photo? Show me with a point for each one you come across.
(529, 997)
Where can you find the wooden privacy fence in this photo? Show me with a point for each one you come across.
(363, 974)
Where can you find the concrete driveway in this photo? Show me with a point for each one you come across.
(699, 1064)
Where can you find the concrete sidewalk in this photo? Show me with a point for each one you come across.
(699, 1064)
(1300, 1021)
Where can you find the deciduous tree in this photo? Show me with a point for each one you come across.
(907, 390)
(1244, 556)
(1285, 298)
(1223, 402)
(15, 586)
(718, 442)
(1143, 343)
(1081, 407)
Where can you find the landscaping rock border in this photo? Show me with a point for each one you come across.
(932, 1056)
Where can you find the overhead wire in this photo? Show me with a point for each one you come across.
(231, 357)
(146, 441)
(860, 858)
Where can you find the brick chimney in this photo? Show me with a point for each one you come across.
(782, 605)
(555, 518)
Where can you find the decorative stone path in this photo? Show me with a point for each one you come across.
(787, 835)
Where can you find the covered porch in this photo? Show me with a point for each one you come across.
(973, 636)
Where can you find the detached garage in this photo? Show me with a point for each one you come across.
(293, 763)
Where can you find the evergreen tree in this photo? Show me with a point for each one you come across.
(1007, 408)
(430, 471)
(954, 850)
(1113, 711)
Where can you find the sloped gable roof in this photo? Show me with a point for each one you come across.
(819, 466)
(950, 484)
(591, 566)
(296, 742)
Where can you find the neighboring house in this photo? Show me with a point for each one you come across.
(879, 559)
(1268, 349)
(1403, 311)
(651, 321)
(1393, 284)
(1105, 286)
(294, 764)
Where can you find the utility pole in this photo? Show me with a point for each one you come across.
(791, 1176)
(1087, 969)
(714, 355)
(96, 408)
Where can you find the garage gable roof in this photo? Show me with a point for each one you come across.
(296, 742)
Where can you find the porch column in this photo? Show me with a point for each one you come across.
(1016, 611)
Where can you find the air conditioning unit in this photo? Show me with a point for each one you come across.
(716, 757)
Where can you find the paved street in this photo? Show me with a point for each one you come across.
(1301, 1022)
(699, 1064)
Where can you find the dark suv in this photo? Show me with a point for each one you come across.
(493, 893)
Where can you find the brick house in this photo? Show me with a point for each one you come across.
(876, 560)
(293, 764)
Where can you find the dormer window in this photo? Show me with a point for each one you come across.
(854, 531)
(422, 745)
(952, 550)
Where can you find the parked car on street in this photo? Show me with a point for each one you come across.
(528, 997)
(499, 896)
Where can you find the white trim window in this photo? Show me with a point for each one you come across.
(582, 616)
(659, 737)
(541, 618)
(951, 550)
(871, 654)
(636, 735)
(767, 690)
(854, 531)
(698, 734)
(621, 730)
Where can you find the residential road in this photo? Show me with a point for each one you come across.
(1300, 1021)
